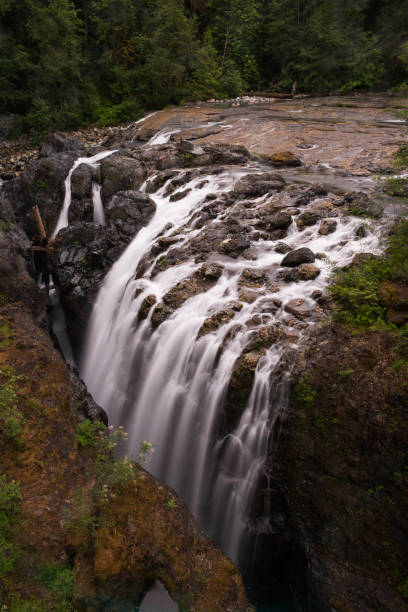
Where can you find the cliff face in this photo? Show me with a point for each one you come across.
(340, 471)
(79, 528)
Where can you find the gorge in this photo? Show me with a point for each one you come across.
(193, 253)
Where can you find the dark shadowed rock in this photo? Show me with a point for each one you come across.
(60, 142)
(129, 210)
(282, 160)
(297, 257)
(307, 219)
(120, 173)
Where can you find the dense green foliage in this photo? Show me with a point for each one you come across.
(65, 63)
(356, 288)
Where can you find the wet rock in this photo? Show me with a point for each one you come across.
(160, 314)
(80, 210)
(202, 279)
(179, 195)
(278, 221)
(41, 183)
(299, 308)
(328, 226)
(394, 297)
(297, 257)
(252, 277)
(256, 185)
(283, 248)
(215, 154)
(82, 403)
(234, 245)
(307, 219)
(145, 307)
(159, 180)
(239, 388)
(120, 173)
(128, 211)
(263, 338)
(282, 159)
(362, 231)
(248, 295)
(81, 182)
(216, 320)
(307, 271)
(359, 204)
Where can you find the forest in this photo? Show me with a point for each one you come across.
(65, 64)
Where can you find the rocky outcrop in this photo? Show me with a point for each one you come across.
(120, 173)
(338, 473)
(110, 531)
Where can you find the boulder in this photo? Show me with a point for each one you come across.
(299, 308)
(128, 211)
(327, 226)
(307, 219)
(60, 142)
(297, 257)
(120, 173)
(284, 159)
(216, 320)
(394, 296)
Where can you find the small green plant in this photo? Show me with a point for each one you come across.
(146, 447)
(400, 157)
(303, 392)
(346, 372)
(10, 502)
(87, 433)
(171, 503)
(4, 226)
(60, 580)
(355, 289)
(397, 187)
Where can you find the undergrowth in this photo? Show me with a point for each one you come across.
(355, 290)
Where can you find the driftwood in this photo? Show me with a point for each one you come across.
(39, 223)
(267, 94)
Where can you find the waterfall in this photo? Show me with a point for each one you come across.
(169, 385)
(99, 214)
(89, 161)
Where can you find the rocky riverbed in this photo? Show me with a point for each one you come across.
(240, 211)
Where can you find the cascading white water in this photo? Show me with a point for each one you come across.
(98, 212)
(89, 161)
(168, 386)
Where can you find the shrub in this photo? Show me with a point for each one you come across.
(355, 289)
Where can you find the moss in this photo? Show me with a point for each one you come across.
(10, 502)
(4, 226)
(400, 157)
(303, 392)
(355, 290)
(397, 187)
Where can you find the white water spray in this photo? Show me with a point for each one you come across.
(89, 161)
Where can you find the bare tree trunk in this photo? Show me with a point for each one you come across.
(225, 48)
